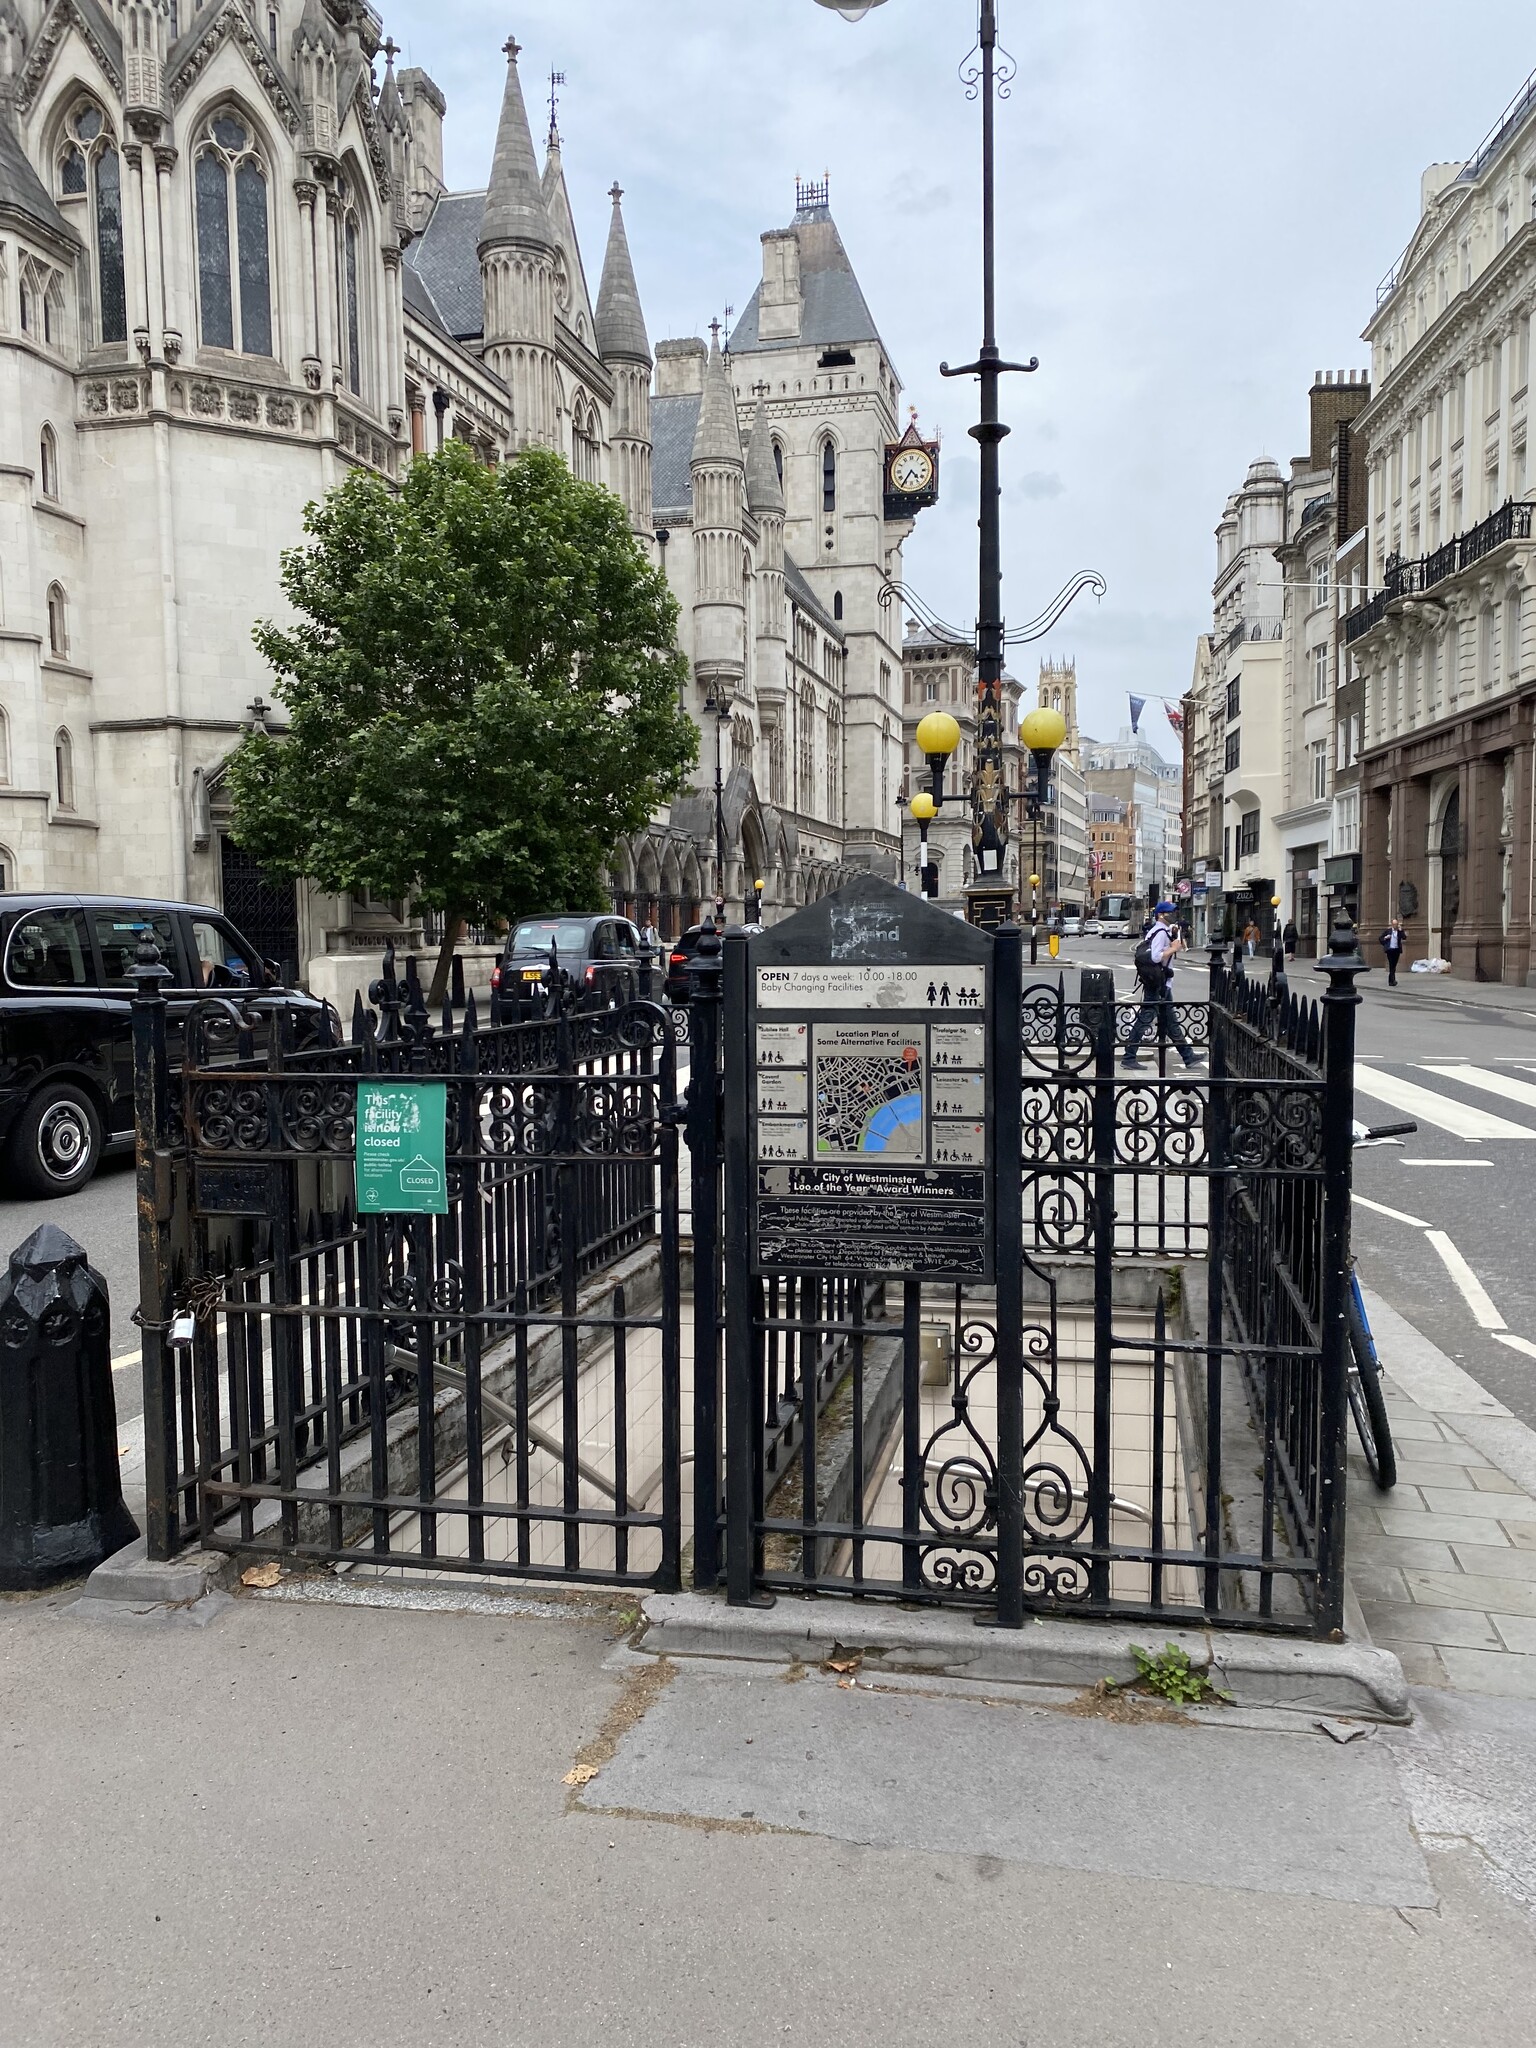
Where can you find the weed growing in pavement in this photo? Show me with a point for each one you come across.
(1169, 1673)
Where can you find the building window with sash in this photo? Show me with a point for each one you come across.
(91, 174)
(234, 251)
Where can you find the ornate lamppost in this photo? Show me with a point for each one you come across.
(990, 896)
(1042, 732)
(718, 704)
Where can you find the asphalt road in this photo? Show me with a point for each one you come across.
(1443, 1221)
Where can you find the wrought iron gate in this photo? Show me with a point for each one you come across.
(374, 1390)
(1144, 1417)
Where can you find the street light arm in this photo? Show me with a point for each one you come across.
(1085, 579)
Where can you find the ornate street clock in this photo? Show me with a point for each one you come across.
(911, 474)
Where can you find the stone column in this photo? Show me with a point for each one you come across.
(418, 423)
(177, 297)
(306, 193)
(134, 280)
(1518, 951)
(147, 196)
(1377, 884)
(1479, 926)
(1410, 856)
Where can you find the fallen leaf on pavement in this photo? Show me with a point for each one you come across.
(844, 1663)
(580, 1774)
(262, 1574)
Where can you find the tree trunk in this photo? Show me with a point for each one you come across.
(453, 926)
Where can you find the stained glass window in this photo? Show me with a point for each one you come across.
(109, 247)
(233, 240)
(255, 281)
(354, 334)
(72, 178)
(214, 290)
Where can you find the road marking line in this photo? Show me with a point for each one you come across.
(1456, 1117)
(1505, 1085)
(1397, 1215)
(128, 1358)
(1473, 1292)
(1515, 1343)
(1445, 1162)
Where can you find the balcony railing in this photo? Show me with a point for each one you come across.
(1405, 578)
(1252, 629)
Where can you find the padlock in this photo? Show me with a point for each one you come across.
(183, 1330)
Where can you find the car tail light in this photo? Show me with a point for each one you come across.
(496, 975)
(591, 974)
(679, 960)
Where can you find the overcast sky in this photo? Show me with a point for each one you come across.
(1196, 201)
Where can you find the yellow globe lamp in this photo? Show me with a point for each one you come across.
(1041, 731)
(923, 807)
(938, 735)
(1034, 881)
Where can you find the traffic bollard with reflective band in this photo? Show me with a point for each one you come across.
(61, 1498)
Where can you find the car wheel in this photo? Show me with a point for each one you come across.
(56, 1145)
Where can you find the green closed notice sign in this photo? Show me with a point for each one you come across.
(402, 1162)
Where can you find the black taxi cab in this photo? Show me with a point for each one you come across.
(66, 1020)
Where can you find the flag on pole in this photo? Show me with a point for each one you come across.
(1138, 705)
(1174, 716)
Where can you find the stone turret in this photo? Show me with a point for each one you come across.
(396, 128)
(517, 270)
(424, 107)
(719, 493)
(316, 48)
(625, 347)
(765, 501)
(146, 27)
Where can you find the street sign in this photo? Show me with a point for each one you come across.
(870, 1106)
(402, 1147)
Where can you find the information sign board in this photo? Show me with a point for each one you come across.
(402, 1147)
(870, 1097)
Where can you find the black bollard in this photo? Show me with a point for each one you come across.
(61, 1499)
(457, 996)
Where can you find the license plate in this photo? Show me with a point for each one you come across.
(533, 974)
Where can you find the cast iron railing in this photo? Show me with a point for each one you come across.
(312, 1372)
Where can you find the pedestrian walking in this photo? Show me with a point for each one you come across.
(1290, 936)
(1250, 938)
(1155, 957)
(1393, 940)
(649, 936)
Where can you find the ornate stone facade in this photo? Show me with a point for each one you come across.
(230, 270)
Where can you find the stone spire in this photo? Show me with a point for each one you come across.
(621, 335)
(514, 206)
(718, 438)
(718, 479)
(764, 491)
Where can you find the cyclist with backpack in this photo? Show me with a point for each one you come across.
(1154, 970)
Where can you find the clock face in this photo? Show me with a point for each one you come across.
(912, 470)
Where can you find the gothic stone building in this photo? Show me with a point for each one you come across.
(230, 271)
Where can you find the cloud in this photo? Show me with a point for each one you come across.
(1156, 249)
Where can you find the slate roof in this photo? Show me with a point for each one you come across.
(834, 309)
(446, 259)
(674, 422)
(800, 591)
(419, 300)
(24, 191)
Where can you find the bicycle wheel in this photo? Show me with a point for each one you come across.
(1366, 1399)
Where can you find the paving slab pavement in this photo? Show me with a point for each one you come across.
(312, 1822)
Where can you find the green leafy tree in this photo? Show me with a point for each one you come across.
(483, 690)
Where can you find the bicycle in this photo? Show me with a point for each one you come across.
(1367, 1399)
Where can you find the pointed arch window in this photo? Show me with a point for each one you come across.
(778, 462)
(58, 621)
(234, 241)
(48, 463)
(351, 306)
(91, 170)
(64, 769)
(828, 476)
(5, 754)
